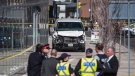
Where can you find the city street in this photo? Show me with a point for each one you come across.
(75, 56)
(65, 23)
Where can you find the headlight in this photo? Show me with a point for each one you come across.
(54, 36)
(59, 39)
(81, 39)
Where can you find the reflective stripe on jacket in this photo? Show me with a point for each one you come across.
(88, 66)
(63, 69)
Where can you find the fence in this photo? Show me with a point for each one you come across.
(23, 23)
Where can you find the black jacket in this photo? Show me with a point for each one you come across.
(34, 64)
(49, 66)
(114, 64)
(78, 67)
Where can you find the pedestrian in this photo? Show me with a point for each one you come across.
(87, 66)
(35, 61)
(64, 68)
(49, 65)
(45, 51)
(111, 65)
(100, 56)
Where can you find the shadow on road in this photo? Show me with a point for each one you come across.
(68, 50)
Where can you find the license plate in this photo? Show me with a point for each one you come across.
(70, 44)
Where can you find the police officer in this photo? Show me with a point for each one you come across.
(45, 51)
(87, 66)
(64, 67)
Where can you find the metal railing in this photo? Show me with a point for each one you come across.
(17, 34)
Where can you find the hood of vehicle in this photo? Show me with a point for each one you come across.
(70, 33)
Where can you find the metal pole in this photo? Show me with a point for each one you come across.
(34, 30)
(124, 39)
(77, 10)
(128, 38)
(90, 10)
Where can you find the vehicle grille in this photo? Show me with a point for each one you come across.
(70, 40)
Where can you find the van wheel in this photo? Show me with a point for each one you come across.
(83, 49)
(53, 46)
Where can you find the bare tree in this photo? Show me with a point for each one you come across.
(109, 28)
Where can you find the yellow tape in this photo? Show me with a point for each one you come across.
(14, 55)
(41, 23)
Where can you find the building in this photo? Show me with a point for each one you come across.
(68, 8)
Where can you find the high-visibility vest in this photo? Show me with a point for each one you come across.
(88, 66)
(63, 69)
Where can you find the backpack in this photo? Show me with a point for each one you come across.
(102, 58)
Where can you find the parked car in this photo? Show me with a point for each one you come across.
(69, 33)
(125, 31)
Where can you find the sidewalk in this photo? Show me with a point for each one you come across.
(123, 60)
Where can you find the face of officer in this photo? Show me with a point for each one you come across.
(109, 52)
(44, 50)
(66, 59)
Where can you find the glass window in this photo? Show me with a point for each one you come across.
(69, 26)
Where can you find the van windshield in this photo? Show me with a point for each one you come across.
(69, 26)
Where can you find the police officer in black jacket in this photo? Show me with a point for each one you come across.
(45, 51)
(35, 62)
(36, 58)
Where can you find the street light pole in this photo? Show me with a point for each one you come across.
(90, 10)
(77, 10)
(128, 38)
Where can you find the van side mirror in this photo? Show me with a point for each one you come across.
(86, 28)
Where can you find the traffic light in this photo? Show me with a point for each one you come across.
(79, 4)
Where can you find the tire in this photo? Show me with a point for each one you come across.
(126, 34)
(53, 46)
(83, 49)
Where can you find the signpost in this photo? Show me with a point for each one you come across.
(94, 36)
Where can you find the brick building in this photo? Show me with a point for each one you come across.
(84, 10)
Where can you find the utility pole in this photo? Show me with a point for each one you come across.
(90, 10)
(128, 38)
(77, 10)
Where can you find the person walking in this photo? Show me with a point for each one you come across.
(111, 65)
(64, 68)
(49, 65)
(35, 61)
(100, 56)
(87, 66)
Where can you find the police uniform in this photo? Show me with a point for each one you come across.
(46, 46)
(87, 66)
(64, 68)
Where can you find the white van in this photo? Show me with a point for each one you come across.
(69, 33)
